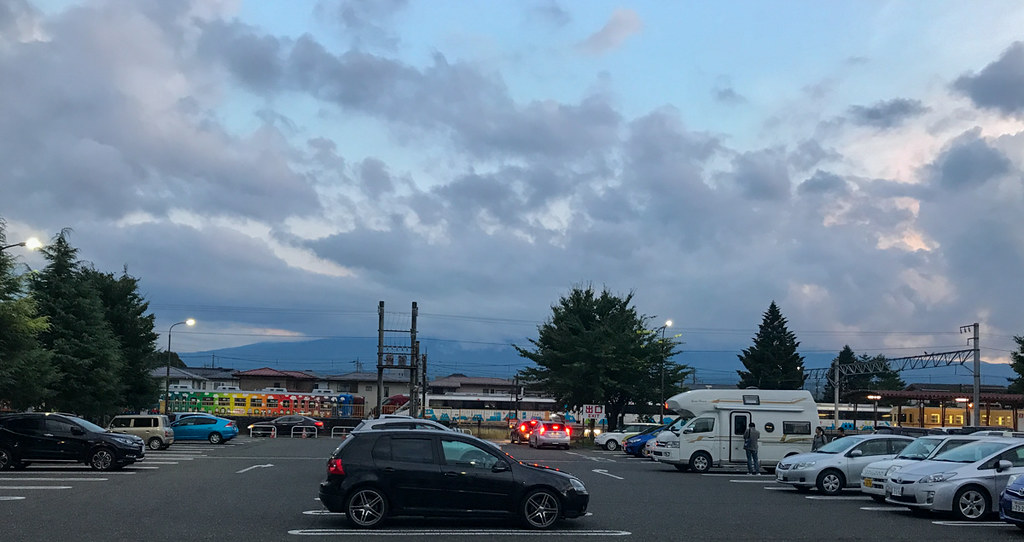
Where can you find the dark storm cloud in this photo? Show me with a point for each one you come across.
(810, 153)
(762, 175)
(823, 182)
(967, 162)
(254, 59)
(1000, 85)
(374, 178)
(887, 114)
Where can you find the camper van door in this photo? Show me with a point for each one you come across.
(738, 422)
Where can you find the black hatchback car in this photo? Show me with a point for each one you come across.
(36, 436)
(377, 474)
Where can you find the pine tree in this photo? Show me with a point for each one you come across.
(85, 352)
(772, 362)
(1017, 362)
(125, 311)
(26, 370)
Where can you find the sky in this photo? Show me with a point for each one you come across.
(275, 169)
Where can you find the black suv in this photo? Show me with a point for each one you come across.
(376, 474)
(37, 436)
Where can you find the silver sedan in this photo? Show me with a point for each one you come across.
(839, 463)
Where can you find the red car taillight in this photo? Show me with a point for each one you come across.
(334, 467)
(522, 428)
(555, 428)
(568, 430)
(542, 429)
(230, 424)
(318, 424)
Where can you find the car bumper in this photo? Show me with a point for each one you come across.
(575, 504)
(561, 442)
(872, 485)
(921, 496)
(332, 496)
(1007, 503)
(797, 477)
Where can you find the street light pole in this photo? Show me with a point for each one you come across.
(167, 379)
(661, 415)
(30, 244)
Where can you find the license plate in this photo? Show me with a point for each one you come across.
(867, 482)
(1017, 506)
(897, 491)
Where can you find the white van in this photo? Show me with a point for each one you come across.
(713, 434)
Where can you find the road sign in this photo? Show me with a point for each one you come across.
(593, 411)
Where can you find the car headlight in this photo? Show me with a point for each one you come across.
(124, 440)
(672, 444)
(892, 470)
(578, 486)
(804, 464)
(1012, 479)
(937, 477)
(597, 432)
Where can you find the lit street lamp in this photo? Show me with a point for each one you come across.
(31, 244)
(167, 381)
(875, 398)
(661, 415)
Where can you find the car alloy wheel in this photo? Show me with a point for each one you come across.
(155, 443)
(970, 503)
(5, 459)
(611, 445)
(700, 462)
(102, 459)
(215, 438)
(366, 508)
(831, 482)
(541, 509)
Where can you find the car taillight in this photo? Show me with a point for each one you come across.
(168, 433)
(230, 424)
(334, 467)
(555, 428)
(318, 424)
(542, 429)
(568, 431)
(522, 428)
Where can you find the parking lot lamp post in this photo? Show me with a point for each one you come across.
(661, 415)
(31, 244)
(167, 381)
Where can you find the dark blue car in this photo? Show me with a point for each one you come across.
(1011, 503)
(636, 445)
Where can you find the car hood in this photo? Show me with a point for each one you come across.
(809, 456)
(926, 467)
(545, 468)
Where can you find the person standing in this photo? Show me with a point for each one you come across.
(750, 437)
(819, 439)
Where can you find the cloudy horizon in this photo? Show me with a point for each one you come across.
(274, 170)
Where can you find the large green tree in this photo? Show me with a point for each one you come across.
(85, 351)
(773, 362)
(1017, 362)
(126, 312)
(596, 349)
(885, 380)
(26, 371)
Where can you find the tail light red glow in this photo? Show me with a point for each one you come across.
(556, 427)
(334, 466)
(568, 430)
(231, 424)
(318, 423)
(542, 429)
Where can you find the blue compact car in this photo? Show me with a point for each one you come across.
(205, 427)
(1011, 503)
(636, 445)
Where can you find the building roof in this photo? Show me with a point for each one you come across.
(367, 377)
(274, 373)
(161, 372)
(213, 373)
(457, 380)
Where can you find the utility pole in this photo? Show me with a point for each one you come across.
(413, 363)
(423, 379)
(977, 372)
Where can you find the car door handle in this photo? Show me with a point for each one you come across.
(47, 434)
(389, 469)
(453, 473)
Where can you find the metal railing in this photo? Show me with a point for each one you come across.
(263, 430)
(303, 431)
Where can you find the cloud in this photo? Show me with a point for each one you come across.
(823, 182)
(1000, 85)
(887, 114)
(967, 161)
(623, 24)
(728, 96)
(762, 175)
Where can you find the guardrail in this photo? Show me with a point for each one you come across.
(304, 431)
(263, 430)
(340, 431)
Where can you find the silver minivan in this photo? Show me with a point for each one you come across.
(154, 429)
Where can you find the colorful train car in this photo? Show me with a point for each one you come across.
(483, 408)
(267, 403)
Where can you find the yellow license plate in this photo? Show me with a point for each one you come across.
(867, 482)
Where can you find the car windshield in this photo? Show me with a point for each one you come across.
(969, 453)
(919, 449)
(87, 425)
(839, 445)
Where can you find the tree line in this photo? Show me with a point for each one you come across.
(73, 338)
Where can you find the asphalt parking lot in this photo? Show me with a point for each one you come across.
(265, 489)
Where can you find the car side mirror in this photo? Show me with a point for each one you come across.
(856, 453)
(688, 430)
(1003, 465)
(500, 466)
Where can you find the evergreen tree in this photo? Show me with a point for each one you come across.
(26, 370)
(85, 351)
(126, 313)
(848, 383)
(596, 349)
(772, 362)
(1017, 362)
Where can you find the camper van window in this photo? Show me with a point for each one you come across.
(703, 425)
(739, 425)
(751, 399)
(796, 428)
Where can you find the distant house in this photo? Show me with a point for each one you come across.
(178, 377)
(365, 384)
(472, 385)
(265, 377)
(215, 377)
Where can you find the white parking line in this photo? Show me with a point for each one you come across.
(836, 498)
(973, 523)
(11, 498)
(20, 479)
(590, 457)
(322, 513)
(604, 472)
(452, 532)
(779, 488)
(161, 462)
(884, 508)
(174, 457)
(752, 482)
(18, 488)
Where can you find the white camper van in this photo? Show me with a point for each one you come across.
(713, 436)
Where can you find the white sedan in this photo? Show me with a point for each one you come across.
(612, 440)
(839, 463)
